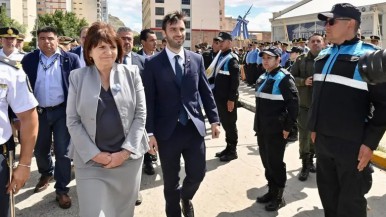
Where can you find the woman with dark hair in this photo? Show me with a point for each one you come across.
(106, 116)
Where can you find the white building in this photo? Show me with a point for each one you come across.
(300, 20)
(23, 11)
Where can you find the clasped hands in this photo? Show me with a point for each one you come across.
(111, 160)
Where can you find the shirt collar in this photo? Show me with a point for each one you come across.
(171, 54)
(56, 52)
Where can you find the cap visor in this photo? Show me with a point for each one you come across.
(219, 39)
(324, 16)
(267, 52)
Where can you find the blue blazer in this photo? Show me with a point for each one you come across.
(76, 50)
(163, 95)
(68, 62)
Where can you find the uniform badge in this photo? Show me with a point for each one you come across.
(10, 31)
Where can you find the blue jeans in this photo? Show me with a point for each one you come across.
(53, 122)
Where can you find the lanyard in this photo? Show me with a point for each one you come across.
(46, 67)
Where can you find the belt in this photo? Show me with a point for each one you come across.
(49, 108)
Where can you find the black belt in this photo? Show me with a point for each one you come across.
(49, 108)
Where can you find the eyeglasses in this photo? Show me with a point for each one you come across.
(332, 21)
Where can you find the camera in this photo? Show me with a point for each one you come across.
(372, 67)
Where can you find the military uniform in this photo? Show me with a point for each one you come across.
(301, 70)
(14, 92)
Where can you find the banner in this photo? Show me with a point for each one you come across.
(305, 30)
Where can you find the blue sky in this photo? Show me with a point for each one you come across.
(130, 12)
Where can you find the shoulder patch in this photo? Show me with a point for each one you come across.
(9, 62)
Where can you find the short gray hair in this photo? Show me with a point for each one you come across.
(124, 29)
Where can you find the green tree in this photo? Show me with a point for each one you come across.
(66, 23)
(6, 21)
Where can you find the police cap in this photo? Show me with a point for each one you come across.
(272, 51)
(342, 10)
(375, 37)
(8, 32)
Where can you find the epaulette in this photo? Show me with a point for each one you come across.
(301, 56)
(235, 56)
(10, 62)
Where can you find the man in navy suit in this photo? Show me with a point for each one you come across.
(48, 69)
(174, 81)
(149, 43)
(79, 50)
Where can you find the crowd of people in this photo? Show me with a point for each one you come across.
(112, 112)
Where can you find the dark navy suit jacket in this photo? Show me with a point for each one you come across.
(164, 96)
(76, 50)
(68, 62)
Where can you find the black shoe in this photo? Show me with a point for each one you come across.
(228, 157)
(277, 201)
(265, 198)
(149, 168)
(187, 208)
(275, 205)
(222, 153)
(303, 175)
(139, 199)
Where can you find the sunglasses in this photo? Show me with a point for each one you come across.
(332, 21)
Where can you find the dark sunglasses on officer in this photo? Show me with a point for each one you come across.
(332, 21)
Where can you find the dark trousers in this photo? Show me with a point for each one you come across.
(271, 148)
(228, 121)
(185, 141)
(341, 186)
(252, 73)
(246, 71)
(54, 122)
(4, 197)
(306, 146)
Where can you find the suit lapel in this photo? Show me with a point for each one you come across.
(167, 67)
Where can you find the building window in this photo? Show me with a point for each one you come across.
(186, 12)
(158, 23)
(187, 24)
(159, 1)
(187, 36)
(185, 2)
(159, 11)
(159, 35)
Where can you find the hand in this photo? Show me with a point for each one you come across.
(285, 134)
(215, 131)
(230, 105)
(19, 177)
(116, 160)
(153, 145)
(364, 157)
(308, 81)
(313, 137)
(103, 158)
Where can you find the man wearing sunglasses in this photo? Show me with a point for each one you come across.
(347, 116)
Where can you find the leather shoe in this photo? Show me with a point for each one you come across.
(64, 201)
(154, 157)
(139, 199)
(187, 208)
(149, 168)
(43, 183)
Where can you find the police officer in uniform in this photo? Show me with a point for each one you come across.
(302, 70)
(302, 43)
(15, 92)
(8, 37)
(225, 92)
(374, 39)
(347, 116)
(276, 113)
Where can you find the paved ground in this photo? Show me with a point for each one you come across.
(228, 190)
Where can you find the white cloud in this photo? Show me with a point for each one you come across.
(261, 3)
(260, 22)
(130, 12)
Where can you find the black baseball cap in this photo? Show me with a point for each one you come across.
(272, 51)
(342, 10)
(222, 36)
(296, 49)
